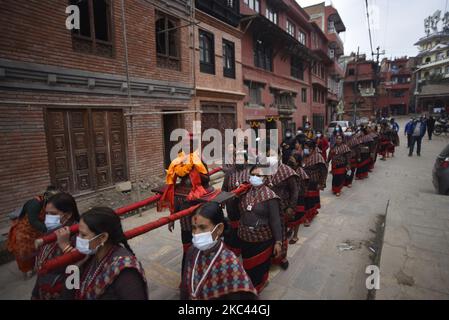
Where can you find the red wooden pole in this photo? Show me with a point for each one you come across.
(76, 256)
(49, 238)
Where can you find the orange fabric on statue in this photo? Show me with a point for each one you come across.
(182, 166)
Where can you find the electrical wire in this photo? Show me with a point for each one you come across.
(369, 27)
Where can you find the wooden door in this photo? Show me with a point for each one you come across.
(87, 149)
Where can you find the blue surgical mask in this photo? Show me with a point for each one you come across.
(83, 246)
(306, 152)
(256, 181)
(52, 221)
(204, 241)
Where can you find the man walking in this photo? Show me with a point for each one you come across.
(419, 131)
(408, 132)
(430, 127)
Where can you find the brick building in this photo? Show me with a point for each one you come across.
(277, 60)
(395, 87)
(218, 68)
(360, 87)
(68, 114)
(329, 21)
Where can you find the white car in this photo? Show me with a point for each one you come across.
(343, 124)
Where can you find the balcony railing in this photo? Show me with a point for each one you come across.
(225, 10)
(369, 92)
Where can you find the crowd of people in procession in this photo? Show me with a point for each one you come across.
(224, 256)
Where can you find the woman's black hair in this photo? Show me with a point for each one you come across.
(311, 144)
(214, 212)
(103, 219)
(66, 203)
(259, 165)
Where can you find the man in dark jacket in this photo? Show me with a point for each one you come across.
(430, 127)
(408, 132)
(419, 131)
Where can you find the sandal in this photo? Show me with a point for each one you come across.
(293, 241)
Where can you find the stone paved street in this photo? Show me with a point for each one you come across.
(414, 261)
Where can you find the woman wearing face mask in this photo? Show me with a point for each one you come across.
(260, 229)
(372, 132)
(26, 228)
(338, 130)
(340, 156)
(322, 143)
(212, 271)
(300, 211)
(61, 213)
(352, 141)
(235, 176)
(316, 169)
(284, 181)
(111, 271)
(365, 146)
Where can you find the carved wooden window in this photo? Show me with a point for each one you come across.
(86, 148)
(167, 42)
(95, 33)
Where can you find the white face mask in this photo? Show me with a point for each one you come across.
(52, 221)
(204, 241)
(83, 246)
(348, 134)
(306, 152)
(319, 135)
(256, 181)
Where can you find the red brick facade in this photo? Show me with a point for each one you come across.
(43, 72)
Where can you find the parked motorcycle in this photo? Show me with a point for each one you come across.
(441, 126)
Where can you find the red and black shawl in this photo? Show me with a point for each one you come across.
(226, 276)
(339, 155)
(316, 168)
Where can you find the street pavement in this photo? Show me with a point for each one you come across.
(330, 260)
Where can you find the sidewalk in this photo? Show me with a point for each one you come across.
(415, 255)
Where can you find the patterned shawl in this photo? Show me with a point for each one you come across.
(255, 196)
(313, 159)
(226, 276)
(237, 178)
(117, 260)
(283, 173)
(353, 141)
(303, 180)
(338, 154)
(316, 168)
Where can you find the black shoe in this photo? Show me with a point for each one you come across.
(419, 155)
(410, 155)
(285, 265)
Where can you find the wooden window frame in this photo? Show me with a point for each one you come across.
(207, 67)
(92, 41)
(264, 52)
(228, 72)
(166, 60)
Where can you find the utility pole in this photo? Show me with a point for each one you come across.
(376, 81)
(356, 87)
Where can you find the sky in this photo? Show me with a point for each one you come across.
(396, 24)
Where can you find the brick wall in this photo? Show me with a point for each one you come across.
(36, 32)
(24, 164)
(23, 160)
